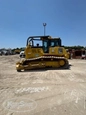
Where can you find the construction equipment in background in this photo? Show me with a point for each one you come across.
(17, 51)
(22, 54)
(42, 52)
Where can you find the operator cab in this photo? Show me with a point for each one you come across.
(43, 42)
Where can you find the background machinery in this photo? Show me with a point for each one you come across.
(42, 52)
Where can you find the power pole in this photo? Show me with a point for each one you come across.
(44, 24)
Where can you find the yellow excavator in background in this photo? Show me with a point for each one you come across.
(42, 52)
(17, 51)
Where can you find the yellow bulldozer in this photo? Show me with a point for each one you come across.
(42, 52)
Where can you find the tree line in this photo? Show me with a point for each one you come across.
(66, 47)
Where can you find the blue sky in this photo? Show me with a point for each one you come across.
(20, 19)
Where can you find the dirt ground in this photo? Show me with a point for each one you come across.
(42, 92)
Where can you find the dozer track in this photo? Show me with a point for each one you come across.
(43, 62)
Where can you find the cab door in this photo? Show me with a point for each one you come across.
(45, 46)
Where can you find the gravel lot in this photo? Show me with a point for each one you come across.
(42, 92)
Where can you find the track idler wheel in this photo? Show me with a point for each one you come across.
(61, 62)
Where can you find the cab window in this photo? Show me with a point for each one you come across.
(52, 44)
